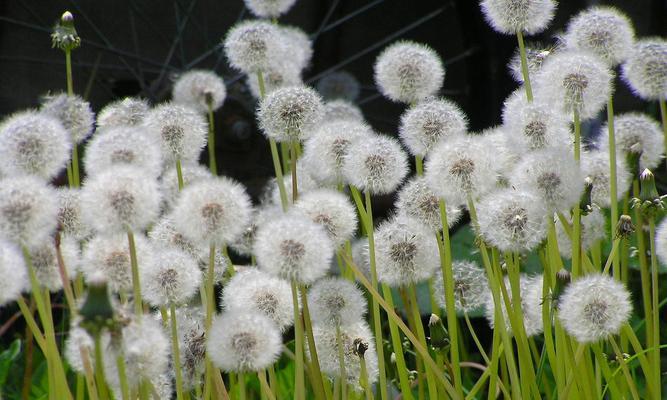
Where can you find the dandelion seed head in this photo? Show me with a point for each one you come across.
(417, 200)
(530, 291)
(593, 229)
(339, 85)
(268, 8)
(302, 252)
(332, 210)
(376, 164)
(242, 341)
(191, 344)
(341, 110)
(180, 130)
(296, 45)
(70, 221)
(33, 143)
(335, 301)
(595, 165)
(45, 262)
(594, 307)
(250, 46)
(281, 73)
(172, 278)
(198, 89)
(645, 70)
(536, 54)
(660, 243)
(512, 16)
(192, 173)
(164, 234)
(428, 122)
(73, 112)
(290, 113)
(129, 111)
(408, 72)
(470, 286)
(13, 268)
(636, 133)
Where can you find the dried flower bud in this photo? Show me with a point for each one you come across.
(625, 227)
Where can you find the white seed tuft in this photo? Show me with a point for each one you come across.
(645, 70)
(376, 164)
(636, 133)
(14, 271)
(290, 113)
(129, 111)
(336, 301)
(595, 165)
(173, 278)
(198, 89)
(471, 287)
(530, 292)
(250, 46)
(180, 130)
(73, 112)
(268, 8)
(512, 16)
(417, 200)
(332, 210)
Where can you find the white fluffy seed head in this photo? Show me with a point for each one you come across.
(326, 149)
(302, 252)
(33, 143)
(108, 258)
(645, 70)
(593, 229)
(164, 234)
(406, 252)
(198, 89)
(296, 46)
(336, 301)
(339, 85)
(214, 211)
(376, 164)
(470, 287)
(192, 173)
(250, 46)
(305, 183)
(336, 110)
(70, 221)
(636, 133)
(123, 146)
(660, 243)
(281, 73)
(535, 57)
(129, 111)
(73, 112)
(594, 307)
(534, 125)
(428, 122)
(417, 200)
(553, 175)
(530, 291)
(28, 210)
(173, 278)
(351, 335)
(180, 130)
(408, 72)
(360, 256)
(290, 113)
(574, 81)
(268, 8)
(45, 262)
(595, 165)
(255, 291)
(14, 271)
(505, 156)
(119, 199)
(603, 31)
(512, 16)
(460, 167)
(242, 341)
(512, 220)
(191, 344)
(332, 210)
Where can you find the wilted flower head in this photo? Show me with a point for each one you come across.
(337, 110)
(327, 351)
(530, 291)
(417, 200)
(603, 31)
(512, 220)
(73, 112)
(119, 199)
(326, 149)
(290, 113)
(128, 111)
(192, 172)
(636, 133)
(575, 81)
(594, 307)
(406, 252)
(28, 210)
(213, 211)
(593, 229)
(595, 165)
(332, 210)
(460, 167)
(173, 278)
(199, 89)
(553, 175)
(255, 291)
(45, 262)
(279, 74)
(645, 70)
(250, 46)
(339, 85)
(430, 121)
(70, 221)
(33, 143)
(268, 8)
(512, 16)
(107, 258)
(14, 271)
(181, 131)
(534, 125)
(408, 72)
(376, 164)
(336, 301)
(471, 286)
(241, 341)
(123, 145)
(536, 54)
(302, 252)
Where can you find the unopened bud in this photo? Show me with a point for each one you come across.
(585, 203)
(64, 35)
(624, 227)
(438, 333)
(360, 347)
(96, 311)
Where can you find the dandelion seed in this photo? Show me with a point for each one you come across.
(296, 46)
(129, 111)
(660, 242)
(191, 344)
(339, 85)
(73, 112)
(636, 133)
(512, 16)
(342, 110)
(595, 165)
(199, 89)
(291, 113)
(173, 278)
(417, 200)
(332, 210)
(13, 268)
(165, 234)
(70, 220)
(45, 262)
(471, 287)
(192, 173)
(535, 56)
(336, 301)
(376, 164)
(645, 70)
(269, 8)
(250, 46)
(280, 74)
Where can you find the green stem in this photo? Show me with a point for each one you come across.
(663, 116)
(524, 66)
(210, 285)
(644, 272)
(475, 339)
(213, 166)
(241, 385)
(266, 389)
(99, 369)
(613, 182)
(293, 156)
(75, 165)
(136, 286)
(122, 376)
(299, 384)
(419, 164)
(341, 363)
(576, 215)
(175, 351)
(655, 308)
(364, 378)
(317, 382)
(626, 372)
(68, 71)
(397, 346)
(416, 315)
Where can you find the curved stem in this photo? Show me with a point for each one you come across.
(576, 215)
(524, 66)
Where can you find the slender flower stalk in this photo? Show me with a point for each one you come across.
(212, 163)
(524, 66)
